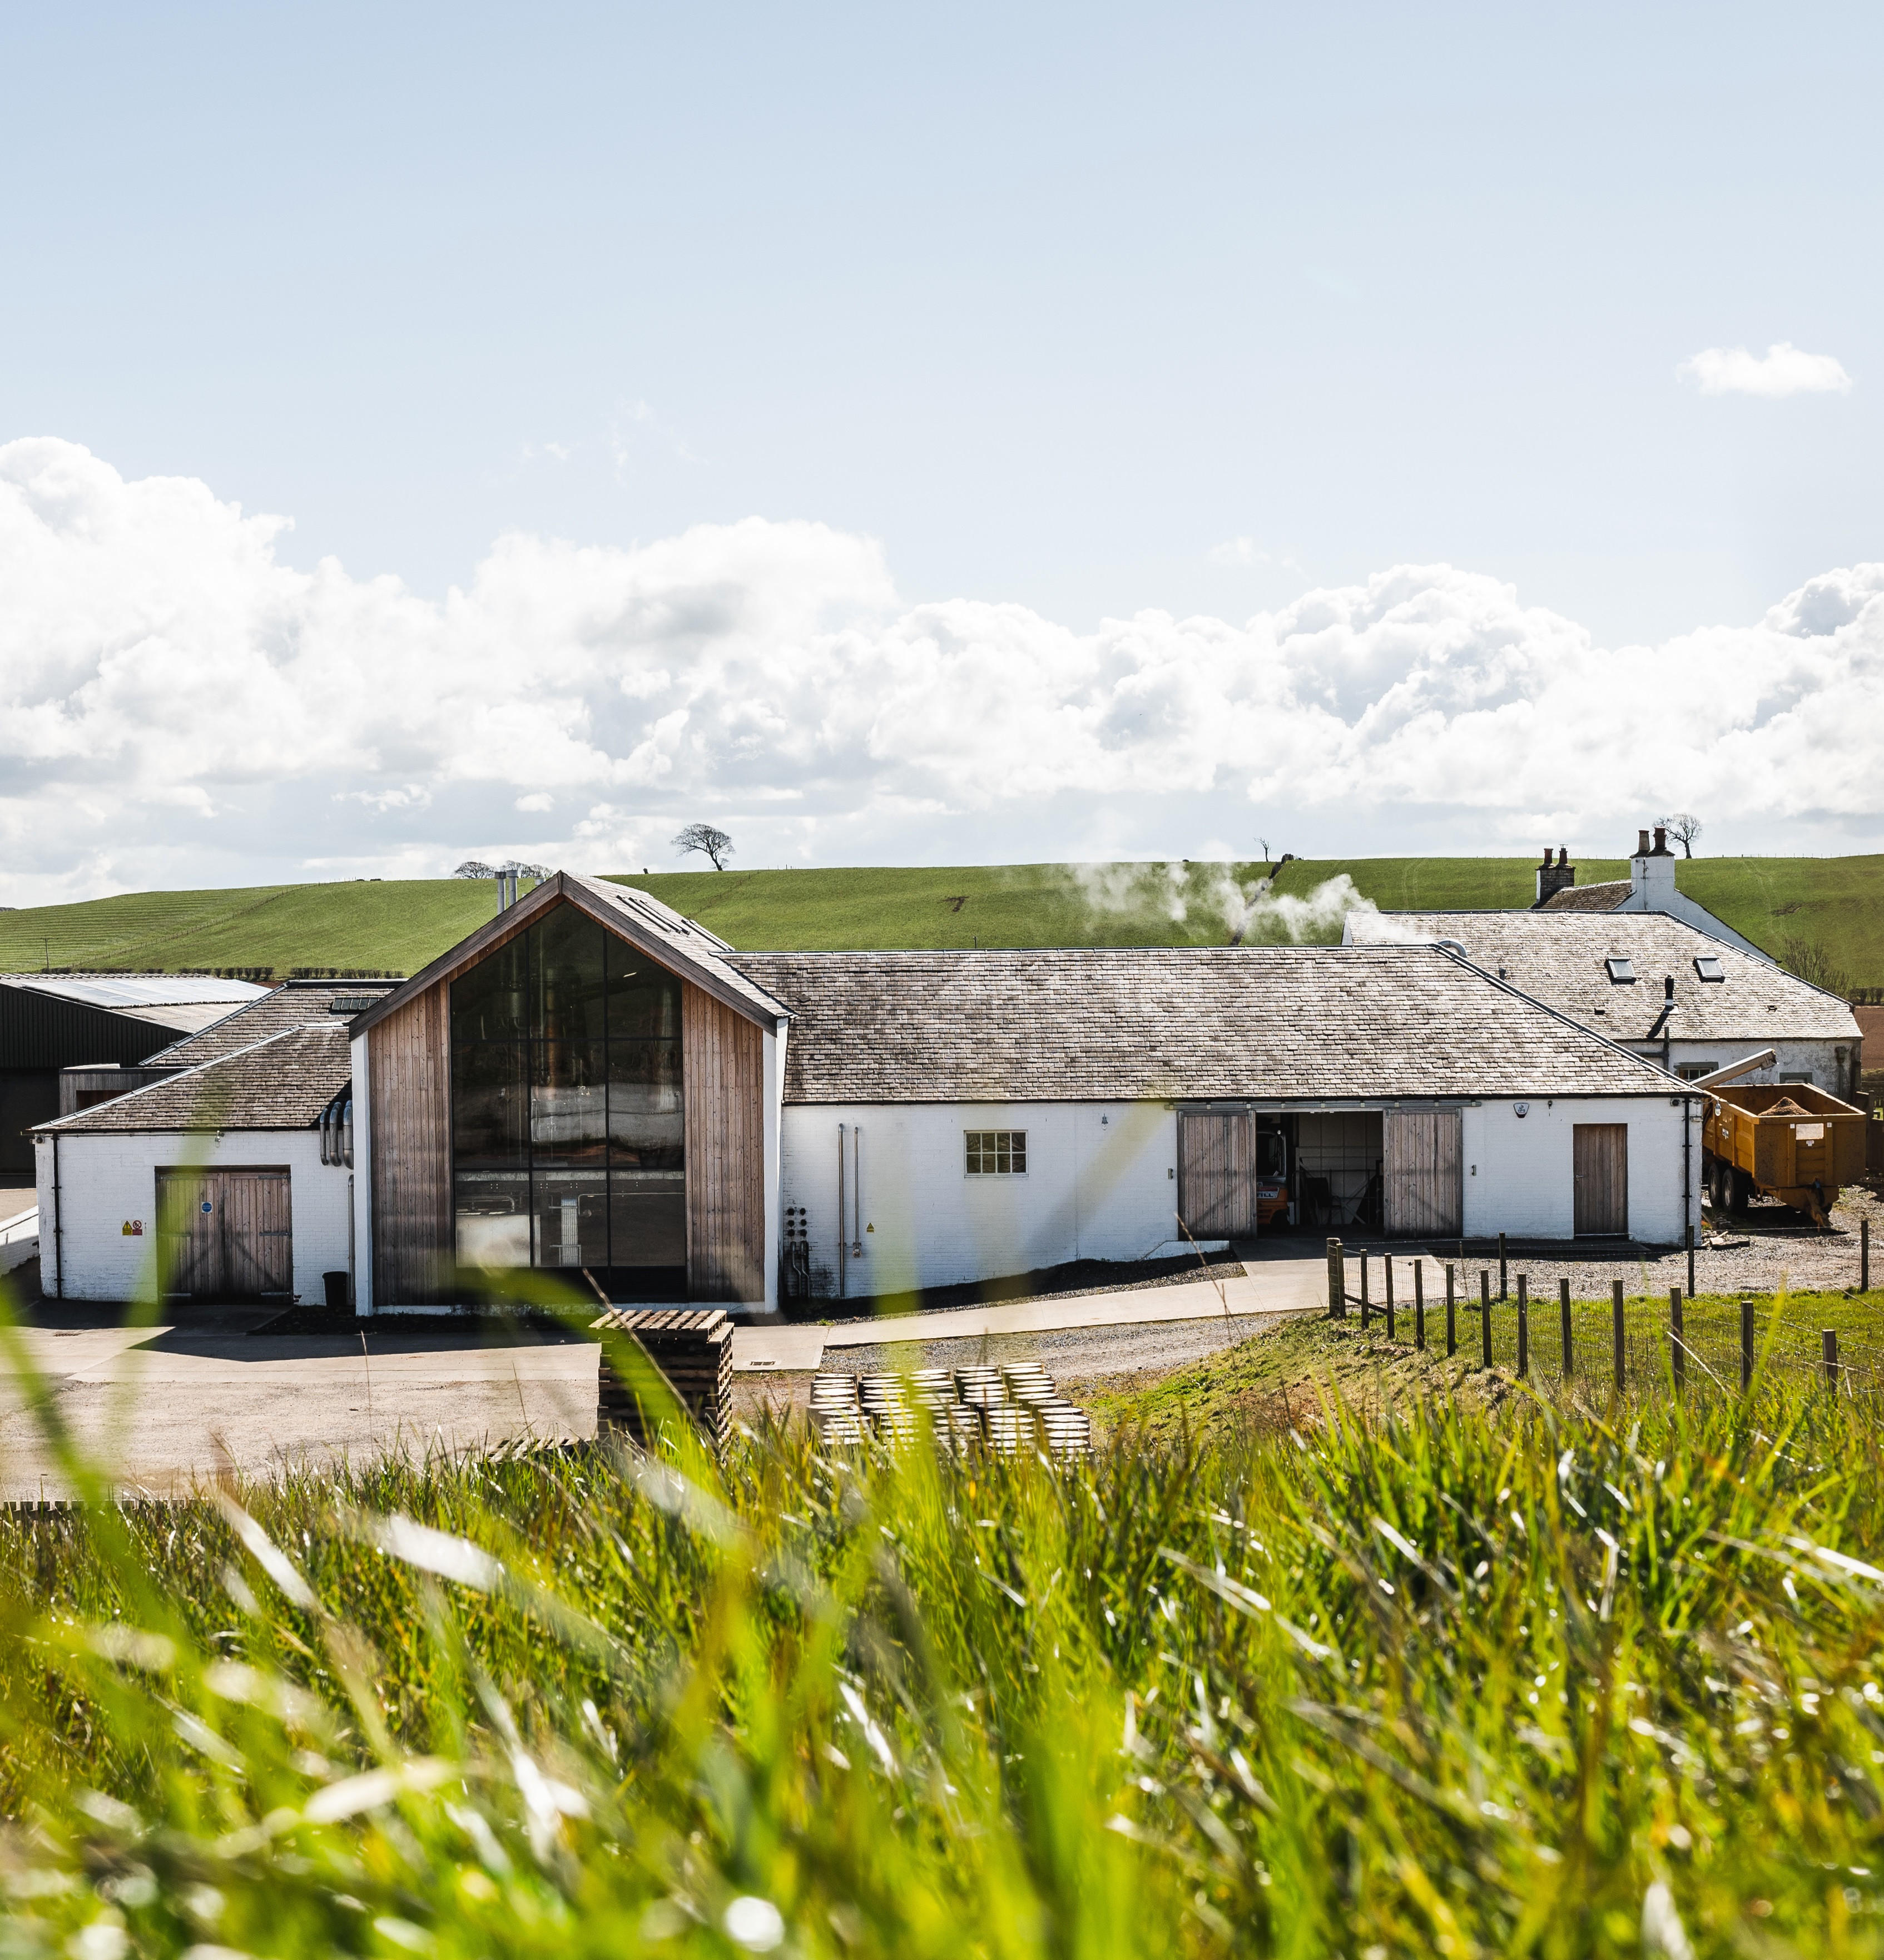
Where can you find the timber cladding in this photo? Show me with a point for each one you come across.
(415, 1248)
(722, 1094)
(409, 1075)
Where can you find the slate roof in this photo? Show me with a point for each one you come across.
(1558, 958)
(1084, 1024)
(282, 1082)
(297, 1003)
(1587, 898)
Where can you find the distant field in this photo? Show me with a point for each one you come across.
(1834, 904)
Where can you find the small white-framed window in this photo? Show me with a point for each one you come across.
(1692, 1071)
(1621, 967)
(1795, 1075)
(1708, 966)
(995, 1153)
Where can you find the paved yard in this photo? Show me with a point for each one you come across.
(181, 1401)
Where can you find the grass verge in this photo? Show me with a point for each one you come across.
(1422, 1677)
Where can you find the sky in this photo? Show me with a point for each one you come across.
(897, 436)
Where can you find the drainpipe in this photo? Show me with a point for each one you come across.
(843, 1243)
(58, 1225)
(1688, 1179)
(856, 1190)
(351, 1300)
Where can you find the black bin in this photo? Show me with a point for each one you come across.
(336, 1286)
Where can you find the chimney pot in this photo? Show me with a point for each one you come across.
(1661, 841)
(1546, 853)
(1668, 987)
(1563, 857)
(1641, 847)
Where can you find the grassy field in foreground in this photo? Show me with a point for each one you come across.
(1475, 1680)
(1834, 904)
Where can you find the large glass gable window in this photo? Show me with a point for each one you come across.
(567, 1148)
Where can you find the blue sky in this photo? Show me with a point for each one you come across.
(1085, 310)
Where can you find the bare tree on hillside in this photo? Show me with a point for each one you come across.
(1812, 964)
(702, 837)
(1684, 829)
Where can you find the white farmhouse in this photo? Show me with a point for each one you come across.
(1664, 989)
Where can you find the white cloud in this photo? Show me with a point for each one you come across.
(177, 706)
(1783, 370)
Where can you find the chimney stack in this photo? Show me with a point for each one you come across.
(1652, 875)
(1552, 878)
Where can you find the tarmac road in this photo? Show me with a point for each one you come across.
(165, 1407)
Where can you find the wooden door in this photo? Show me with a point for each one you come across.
(1423, 1195)
(1216, 1173)
(258, 1243)
(1601, 1170)
(189, 1234)
(225, 1234)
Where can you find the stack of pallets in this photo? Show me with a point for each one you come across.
(692, 1347)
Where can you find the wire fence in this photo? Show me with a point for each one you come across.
(1635, 1343)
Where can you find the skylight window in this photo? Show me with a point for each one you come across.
(1621, 967)
(1707, 965)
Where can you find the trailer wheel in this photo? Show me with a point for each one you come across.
(1740, 1189)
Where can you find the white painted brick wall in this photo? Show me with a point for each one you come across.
(1099, 1185)
(1818, 1059)
(107, 1180)
(1520, 1176)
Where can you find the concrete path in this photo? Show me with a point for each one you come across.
(161, 1407)
(1270, 1286)
(169, 1405)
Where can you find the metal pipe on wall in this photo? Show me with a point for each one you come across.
(58, 1226)
(844, 1244)
(857, 1191)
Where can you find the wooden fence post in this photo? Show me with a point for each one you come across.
(1505, 1289)
(1419, 1305)
(1387, 1261)
(1747, 1342)
(1677, 1347)
(1337, 1281)
(1452, 1325)
(1523, 1324)
(1563, 1315)
(1864, 1256)
(1485, 1311)
(1828, 1347)
(1366, 1308)
(1621, 1333)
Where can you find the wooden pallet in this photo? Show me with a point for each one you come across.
(693, 1349)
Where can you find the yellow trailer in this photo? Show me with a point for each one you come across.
(1782, 1140)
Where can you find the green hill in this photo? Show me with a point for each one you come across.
(1832, 908)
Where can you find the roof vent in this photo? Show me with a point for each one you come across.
(1621, 967)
